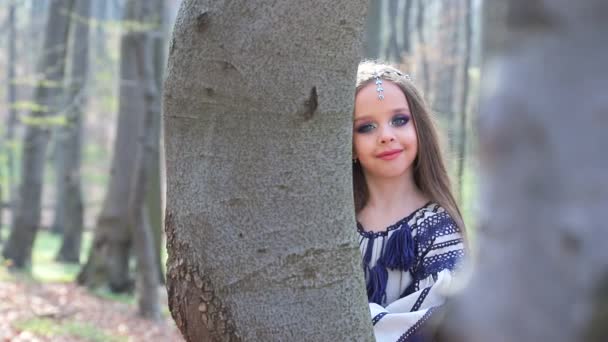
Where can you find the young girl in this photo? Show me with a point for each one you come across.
(410, 228)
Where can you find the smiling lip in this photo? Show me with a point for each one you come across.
(388, 155)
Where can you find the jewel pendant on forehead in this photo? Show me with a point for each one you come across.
(379, 88)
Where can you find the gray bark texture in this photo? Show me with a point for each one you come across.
(52, 64)
(260, 221)
(70, 137)
(542, 270)
(142, 45)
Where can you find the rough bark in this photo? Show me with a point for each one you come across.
(71, 136)
(259, 197)
(27, 214)
(542, 265)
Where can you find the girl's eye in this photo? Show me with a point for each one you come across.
(365, 128)
(400, 120)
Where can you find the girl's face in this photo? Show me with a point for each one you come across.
(384, 136)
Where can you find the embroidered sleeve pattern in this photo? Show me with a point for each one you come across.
(439, 248)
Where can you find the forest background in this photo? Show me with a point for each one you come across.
(68, 147)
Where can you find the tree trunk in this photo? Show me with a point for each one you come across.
(72, 134)
(372, 42)
(541, 273)
(12, 113)
(393, 50)
(260, 218)
(448, 44)
(27, 215)
(422, 47)
(142, 46)
(406, 13)
(108, 262)
(464, 101)
(154, 192)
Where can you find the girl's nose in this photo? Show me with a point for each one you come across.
(386, 136)
(385, 140)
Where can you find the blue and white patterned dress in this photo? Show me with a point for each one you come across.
(408, 270)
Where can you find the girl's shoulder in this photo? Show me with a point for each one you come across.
(431, 222)
(425, 213)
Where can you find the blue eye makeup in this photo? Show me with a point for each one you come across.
(366, 128)
(400, 120)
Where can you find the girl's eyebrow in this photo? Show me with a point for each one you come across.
(400, 110)
(395, 111)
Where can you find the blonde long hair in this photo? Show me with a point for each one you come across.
(430, 173)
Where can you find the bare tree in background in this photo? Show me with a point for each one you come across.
(140, 46)
(26, 217)
(447, 46)
(465, 93)
(69, 138)
(372, 41)
(393, 51)
(424, 74)
(259, 221)
(154, 190)
(108, 260)
(406, 15)
(542, 266)
(8, 194)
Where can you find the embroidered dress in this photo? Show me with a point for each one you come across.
(408, 269)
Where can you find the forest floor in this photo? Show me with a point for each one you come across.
(42, 311)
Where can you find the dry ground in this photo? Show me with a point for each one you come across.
(61, 304)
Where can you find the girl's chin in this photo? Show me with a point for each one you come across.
(392, 173)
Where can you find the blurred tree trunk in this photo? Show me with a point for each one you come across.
(406, 29)
(12, 112)
(100, 13)
(422, 48)
(393, 50)
(372, 42)
(70, 137)
(154, 193)
(6, 141)
(261, 244)
(448, 46)
(26, 218)
(542, 267)
(141, 46)
(39, 10)
(108, 261)
(464, 101)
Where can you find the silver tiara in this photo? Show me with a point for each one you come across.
(378, 78)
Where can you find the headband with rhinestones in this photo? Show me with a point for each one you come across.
(380, 89)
